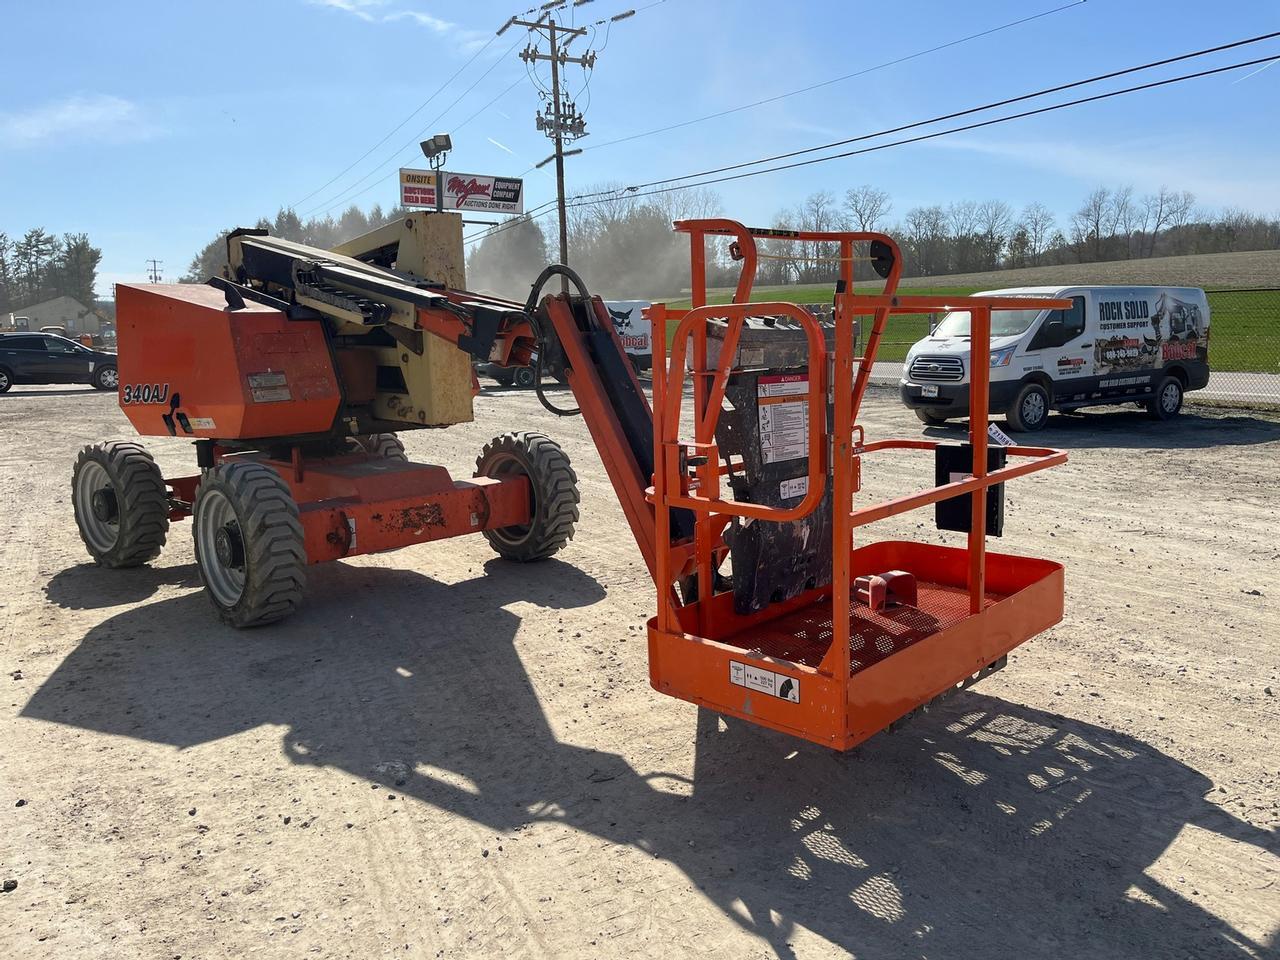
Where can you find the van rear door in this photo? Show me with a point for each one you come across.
(1064, 344)
(1127, 340)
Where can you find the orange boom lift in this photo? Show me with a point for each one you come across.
(293, 373)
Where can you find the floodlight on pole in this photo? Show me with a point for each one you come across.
(436, 150)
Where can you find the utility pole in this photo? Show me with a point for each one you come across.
(563, 121)
(153, 271)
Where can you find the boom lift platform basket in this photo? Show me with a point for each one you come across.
(817, 662)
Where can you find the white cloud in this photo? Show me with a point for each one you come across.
(422, 19)
(380, 11)
(1147, 164)
(360, 8)
(96, 116)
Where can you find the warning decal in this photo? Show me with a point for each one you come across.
(766, 681)
(784, 421)
(793, 488)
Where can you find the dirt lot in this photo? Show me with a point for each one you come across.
(445, 755)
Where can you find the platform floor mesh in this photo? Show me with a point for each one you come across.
(804, 636)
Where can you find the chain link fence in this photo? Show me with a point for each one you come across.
(1244, 348)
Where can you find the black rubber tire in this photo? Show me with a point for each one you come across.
(523, 377)
(274, 558)
(386, 445)
(141, 504)
(929, 418)
(100, 373)
(1024, 414)
(6, 380)
(1167, 401)
(555, 494)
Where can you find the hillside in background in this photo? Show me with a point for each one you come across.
(1253, 268)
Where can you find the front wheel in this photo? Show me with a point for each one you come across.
(249, 544)
(930, 419)
(524, 377)
(554, 493)
(6, 380)
(106, 378)
(1030, 409)
(1167, 402)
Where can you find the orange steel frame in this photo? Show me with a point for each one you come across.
(693, 643)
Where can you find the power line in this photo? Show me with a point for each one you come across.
(348, 194)
(833, 80)
(360, 159)
(963, 113)
(515, 83)
(961, 129)
(585, 199)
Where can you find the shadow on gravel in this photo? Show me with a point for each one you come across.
(88, 586)
(961, 835)
(1130, 429)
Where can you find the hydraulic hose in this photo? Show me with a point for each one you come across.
(531, 311)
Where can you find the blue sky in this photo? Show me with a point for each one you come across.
(153, 125)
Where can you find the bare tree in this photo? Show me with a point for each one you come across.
(1122, 217)
(1090, 225)
(926, 234)
(1037, 222)
(696, 203)
(994, 223)
(866, 206)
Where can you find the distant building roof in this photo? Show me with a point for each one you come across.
(64, 306)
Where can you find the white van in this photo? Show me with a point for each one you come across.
(1115, 345)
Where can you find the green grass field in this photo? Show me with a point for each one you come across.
(1244, 325)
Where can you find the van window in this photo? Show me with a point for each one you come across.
(1060, 327)
(1004, 323)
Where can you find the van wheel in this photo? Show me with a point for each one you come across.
(930, 419)
(1167, 402)
(524, 377)
(1029, 410)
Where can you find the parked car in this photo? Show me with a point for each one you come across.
(46, 358)
(1146, 345)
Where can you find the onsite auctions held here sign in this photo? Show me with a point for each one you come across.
(462, 191)
(417, 188)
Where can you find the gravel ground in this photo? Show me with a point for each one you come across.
(444, 755)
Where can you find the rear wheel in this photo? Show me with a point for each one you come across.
(6, 380)
(1030, 409)
(1167, 402)
(120, 503)
(554, 491)
(524, 377)
(386, 445)
(249, 546)
(106, 378)
(929, 418)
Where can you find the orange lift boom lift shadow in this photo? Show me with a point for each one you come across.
(291, 373)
